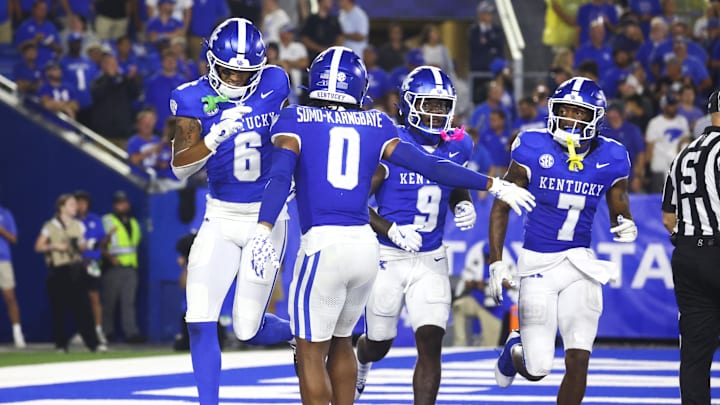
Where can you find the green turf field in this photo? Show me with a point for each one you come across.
(38, 356)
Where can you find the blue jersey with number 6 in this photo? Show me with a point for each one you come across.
(339, 153)
(406, 197)
(566, 200)
(240, 169)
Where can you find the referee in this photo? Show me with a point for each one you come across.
(691, 211)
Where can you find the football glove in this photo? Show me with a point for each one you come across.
(465, 215)
(513, 195)
(625, 231)
(264, 255)
(406, 237)
(229, 125)
(499, 272)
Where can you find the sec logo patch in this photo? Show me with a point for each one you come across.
(546, 161)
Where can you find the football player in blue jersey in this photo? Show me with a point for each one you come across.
(569, 168)
(223, 124)
(333, 147)
(419, 280)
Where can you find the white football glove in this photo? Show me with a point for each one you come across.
(264, 255)
(230, 124)
(465, 215)
(499, 271)
(626, 230)
(406, 237)
(513, 195)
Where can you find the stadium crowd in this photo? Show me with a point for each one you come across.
(112, 64)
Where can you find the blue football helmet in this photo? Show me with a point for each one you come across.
(236, 44)
(579, 92)
(423, 84)
(338, 74)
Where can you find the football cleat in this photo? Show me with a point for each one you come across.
(504, 369)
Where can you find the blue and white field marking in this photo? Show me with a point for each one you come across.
(617, 376)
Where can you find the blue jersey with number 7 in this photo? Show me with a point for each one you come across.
(566, 200)
(339, 153)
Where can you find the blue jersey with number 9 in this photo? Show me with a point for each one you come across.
(406, 197)
(339, 153)
(240, 169)
(566, 200)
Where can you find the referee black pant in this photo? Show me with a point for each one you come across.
(696, 274)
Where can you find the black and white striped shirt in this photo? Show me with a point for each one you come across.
(692, 186)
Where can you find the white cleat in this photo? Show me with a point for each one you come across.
(504, 369)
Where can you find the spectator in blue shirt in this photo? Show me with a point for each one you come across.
(595, 49)
(8, 236)
(78, 72)
(631, 137)
(528, 116)
(94, 234)
(595, 11)
(495, 139)
(40, 31)
(691, 67)
(127, 61)
(55, 95)
(480, 117)
(144, 147)
(688, 108)
(187, 67)
(646, 10)
(26, 72)
(613, 76)
(658, 35)
(164, 25)
(159, 86)
(413, 59)
(378, 81)
(205, 16)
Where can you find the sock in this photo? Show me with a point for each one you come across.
(363, 370)
(273, 330)
(16, 328)
(205, 353)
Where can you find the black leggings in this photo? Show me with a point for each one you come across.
(67, 290)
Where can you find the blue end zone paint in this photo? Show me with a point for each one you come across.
(465, 373)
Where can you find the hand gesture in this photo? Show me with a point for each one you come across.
(625, 231)
(230, 124)
(263, 252)
(406, 237)
(499, 272)
(513, 195)
(465, 215)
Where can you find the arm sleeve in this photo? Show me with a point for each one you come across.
(278, 188)
(441, 170)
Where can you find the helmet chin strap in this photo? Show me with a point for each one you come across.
(574, 160)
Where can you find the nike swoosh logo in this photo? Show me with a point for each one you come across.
(601, 165)
(453, 154)
(437, 259)
(264, 95)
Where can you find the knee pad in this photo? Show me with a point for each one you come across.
(246, 325)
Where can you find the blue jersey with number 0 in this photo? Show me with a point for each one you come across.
(239, 170)
(339, 153)
(406, 197)
(566, 200)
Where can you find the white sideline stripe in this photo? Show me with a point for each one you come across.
(101, 369)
